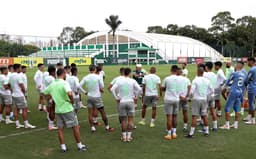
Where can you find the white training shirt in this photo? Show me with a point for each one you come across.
(38, 79)
(25, 80)
(125, 90)
(48, 80)
(151, 82)
(75, 86)
(172, 90)
(200, 88)
(93, 84)
(185, 82)
(4, 80)
(185, 72)
(102, 74)
(213, 80)
(221, 78)
(116, 79)
(15, 81)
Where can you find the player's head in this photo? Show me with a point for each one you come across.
(179, 71)
(201, 65)
(228, 64)
(67, 69)
(74, 71)
(52, 70)
(40, 67)
(152, 70)
(138, 67)
(208, 66)
(23, 69)
(127, 72)
(217, 65)
(73, 65)
(200, 71)
(184, 65)
(100, 65)
(251, 61)
(121, 71)
(59, 65)
(239, 65)
(10, 68)
(92, 68)
(17, 68)
(174, 69)
(61, 73)
(98, 69)
(4, 70)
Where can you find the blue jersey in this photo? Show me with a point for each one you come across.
(236, 82)
(251, 80)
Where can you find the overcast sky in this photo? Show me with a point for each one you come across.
(48, 17)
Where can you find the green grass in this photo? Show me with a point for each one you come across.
(148, 142)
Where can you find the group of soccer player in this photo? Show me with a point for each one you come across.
(60, 89)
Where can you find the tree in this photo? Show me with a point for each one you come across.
(113, 22)
(221, 23)
(156, 29)
(172, 29)
(66, 36)
(79, 33)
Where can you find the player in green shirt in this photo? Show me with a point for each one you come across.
(61, 94)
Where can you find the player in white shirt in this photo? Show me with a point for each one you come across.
(184, 70)
(200, 89)
(38, 79)
(18, 96)
(5, 96)
(10, 71)
(67, 71)
(75, 87)
(185, 88)
(125, 90)
(221, 78)
(171, 86)
(50, 103)
(210, 99)
(150, 84)
(25, 81)
(101, 72)
(95, 87)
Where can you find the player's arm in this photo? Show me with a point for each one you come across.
(164, 85)
(160, 90)
(101, 85)
(113, 92)
(69, 92)
(137, 89)
(82, 82)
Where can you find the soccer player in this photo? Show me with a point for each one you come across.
(101, 72)
(221, 78)
(229, 70)
(138, 74)
(18, 97)
(171, 86)
(67, 71)
(184, 70)
(73, 65)
(61, 94)
(38, 78)
(210, 98)
(237, 85)
(124, 91)
(185, 88)
(10, 70)
(95, 87)
(50, 103)
(150, 95)
(25, 81)
(58, 66)
(75, 87)
(200, 89)
(5, 96)
(251, 81)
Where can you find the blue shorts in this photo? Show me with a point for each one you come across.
(251, 98)
(233, 101)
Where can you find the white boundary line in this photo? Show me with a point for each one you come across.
(42, 129)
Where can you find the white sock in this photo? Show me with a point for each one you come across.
(185, 125)
(63, 147)
(129, 134)
(152, 120)
(227, 123)
(219, 111)
(1, 116)
(174, 130)
(242, 109)
(192, 130)
(26, 122)
(169, 132)
(39, 105)
(206, 128)
(50, 123)
(215, 124)
(124, 134)
(107, 127)
(11, 114)
(93, 128)
(94, 120)
(7, 117)
(236, 123)
(79, 145)
(17, 122)
(143, 119)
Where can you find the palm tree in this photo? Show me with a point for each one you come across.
(113, 22)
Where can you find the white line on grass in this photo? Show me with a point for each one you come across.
(42, 129)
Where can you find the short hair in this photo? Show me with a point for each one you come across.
(240, 62)
(218, 63)
(121, 70)
(200, 70)
(100, 64)
(3, 68)
(251, 59)
(16, 66)
(127, 71)
(67, 67)
(201, 65)
(51, 69)
(59, 64)
(92, 68)
(39, 65)
(174, 68)
(23, 66)
(99, 68)
(209, 65)
(73, 70)
(185, 64)
(10, 66)
(152, 70)
(60, 72)
(73, 65)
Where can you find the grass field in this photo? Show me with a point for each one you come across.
(148, 142)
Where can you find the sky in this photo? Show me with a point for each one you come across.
(48, 17)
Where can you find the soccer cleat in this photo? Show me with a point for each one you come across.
(189, 136)
(63, 150)
(250, 122)
(82, 148)
(206, 134)
(19, 126)
(142, 122)
(247, 118)
(225, 127)
(123, 139)
(129, 139)
(50, 128)
(214, 129)
(174, 136)
(29, 126)
(110, 129)
(234, 126)
(185, 130)
(232, 114)
(152, 125)
(168, 137)
(9, 122)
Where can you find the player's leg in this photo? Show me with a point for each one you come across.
(51, 115)
(204, 114)
(130, 128)
(143, 114)
(1, 112)
(184, 106)
(168, 111)
(95, 117)
(229, 104)
(211, 104)
(195, 114)
(236, 109)
(251, 98)
(90, 118)
(153, 115)
(61, 139)
(174, 119)
(217, 102)
(123, 121)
